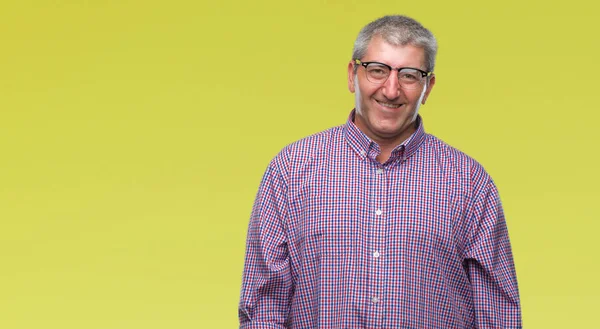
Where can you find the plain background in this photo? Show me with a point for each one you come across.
(134, 134)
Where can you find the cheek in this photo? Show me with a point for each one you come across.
(415, 97)
(366, 91)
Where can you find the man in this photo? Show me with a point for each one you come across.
(376, 224)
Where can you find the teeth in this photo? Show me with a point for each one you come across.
(394, 106)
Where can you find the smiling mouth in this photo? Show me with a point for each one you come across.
(392, 106)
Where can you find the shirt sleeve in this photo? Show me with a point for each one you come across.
(490, 267)
(267, 282)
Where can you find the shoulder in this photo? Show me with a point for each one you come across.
(456, 162)
(303, 151)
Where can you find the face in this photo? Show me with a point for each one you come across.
(385, 112)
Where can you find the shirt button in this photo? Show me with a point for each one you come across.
(375, 300)
(378, 212)
(380, 171)
(363, 153)
(376, 254)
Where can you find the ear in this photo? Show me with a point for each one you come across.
(430, 85)
(351, 77)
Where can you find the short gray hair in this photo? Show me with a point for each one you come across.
(399, 31)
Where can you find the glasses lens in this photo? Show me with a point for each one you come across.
(377, 73)
(410, 78)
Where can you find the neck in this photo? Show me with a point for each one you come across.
(386, 144)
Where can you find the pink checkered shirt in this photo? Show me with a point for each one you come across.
(338, 240)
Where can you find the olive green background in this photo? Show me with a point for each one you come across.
(134, 134)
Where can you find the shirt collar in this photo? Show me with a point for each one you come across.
(365, 147)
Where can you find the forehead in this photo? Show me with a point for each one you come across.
(396, 56)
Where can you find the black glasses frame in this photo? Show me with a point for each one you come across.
(364, 64)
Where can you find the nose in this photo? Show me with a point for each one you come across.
(391, 87)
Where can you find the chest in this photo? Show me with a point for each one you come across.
(350, 205)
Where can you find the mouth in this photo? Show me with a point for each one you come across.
(389, 105)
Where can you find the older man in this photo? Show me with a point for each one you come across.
(375, 223)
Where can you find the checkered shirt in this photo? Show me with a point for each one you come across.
(338, 240)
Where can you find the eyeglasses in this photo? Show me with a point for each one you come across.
(408, 77)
